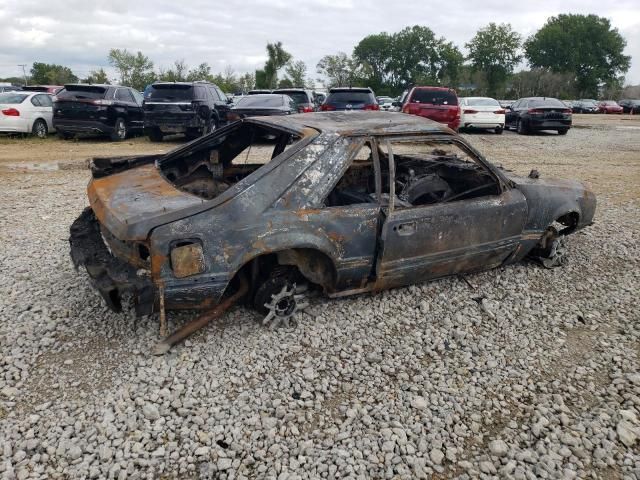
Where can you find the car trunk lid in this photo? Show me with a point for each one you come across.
(130, 203)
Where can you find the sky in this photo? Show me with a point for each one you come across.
(79, 33)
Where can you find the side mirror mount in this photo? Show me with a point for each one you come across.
(397, 104)
(229, 101)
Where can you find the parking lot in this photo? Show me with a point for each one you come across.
(518, 372)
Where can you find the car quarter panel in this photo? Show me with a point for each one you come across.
(278, 211)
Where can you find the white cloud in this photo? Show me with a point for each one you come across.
(80, 33)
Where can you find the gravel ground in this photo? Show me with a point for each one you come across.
(520, 373)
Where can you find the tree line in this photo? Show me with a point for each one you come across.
(571, 56)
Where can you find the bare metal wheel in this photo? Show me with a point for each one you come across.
(40, 129)
(280, 296)
(119, 130)
(284, 305)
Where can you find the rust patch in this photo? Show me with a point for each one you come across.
(187, 260)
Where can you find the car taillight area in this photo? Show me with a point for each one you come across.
(11, 112)
(305, 109)
(371, 106)
(326, 107)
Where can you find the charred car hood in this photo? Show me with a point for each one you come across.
(132, 202)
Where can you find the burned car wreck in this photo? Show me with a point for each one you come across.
(347, 203)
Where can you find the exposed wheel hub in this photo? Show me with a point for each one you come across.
(284, 305)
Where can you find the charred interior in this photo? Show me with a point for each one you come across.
(425, 173)
(210, 168)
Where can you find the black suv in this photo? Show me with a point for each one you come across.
(350, 99)
(97, 109)
(191, 108)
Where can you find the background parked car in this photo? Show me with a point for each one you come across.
(304, 98)
(585, 106)
(26, 112)
(347, 98)
(9, 88)
(506, 103)
(609, 106)
(629, 105)
(385, 103)
(436, 103)
(258, 91)
(97, 109)
(52, 89)
(263, 105)
(481, 112)
(189, 108)
(538, 113)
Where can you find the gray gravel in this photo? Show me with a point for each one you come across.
(527, 373)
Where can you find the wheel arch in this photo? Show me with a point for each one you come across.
(316, 265)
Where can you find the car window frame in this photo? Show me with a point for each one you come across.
(35, 101)
(47, 103)
(127, 91)
(502, 184)
(360, 143)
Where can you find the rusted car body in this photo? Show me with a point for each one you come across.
(177, 230)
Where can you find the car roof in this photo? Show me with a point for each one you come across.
(355, 123)
(290, 90)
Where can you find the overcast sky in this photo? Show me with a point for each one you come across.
(79, 33)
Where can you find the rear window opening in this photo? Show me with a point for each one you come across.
(81, 92)
(547, 102)
(434, 97)
(349, 97)
(210, 168)
(298, 97)
(170, 93)
(261, 101)
(482, 102)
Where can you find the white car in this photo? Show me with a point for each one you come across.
(481, 112)
(385, 103)
(26, 112)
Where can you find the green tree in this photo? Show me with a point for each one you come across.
(178, 73)
(584, 45)
(494, 50)
(296, 73)
(339, 70)
(201, 72)
(418, 56)
(98, 76)
(135, 70)
(375, 51)
(51, 74)
(246, 82)
(278, 57)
